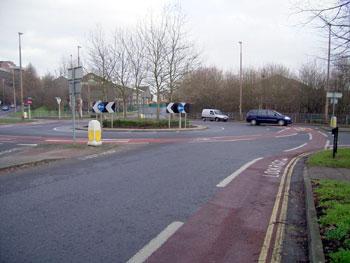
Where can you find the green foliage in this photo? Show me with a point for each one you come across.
(325, 158)
(342, 256)
(142, 123)
(334, 200)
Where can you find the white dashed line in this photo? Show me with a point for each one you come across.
(155, 243)
(228, 179)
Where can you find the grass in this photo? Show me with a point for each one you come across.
(325, 158)
(6, 121)
(332, 200)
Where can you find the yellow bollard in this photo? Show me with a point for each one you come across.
(142, 116)
(25, 115)
(94, 133)
(334, 122)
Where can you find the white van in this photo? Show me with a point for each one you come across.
(213, 115)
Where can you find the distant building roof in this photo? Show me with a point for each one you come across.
(7, 64)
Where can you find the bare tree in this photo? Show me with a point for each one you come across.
(136, 49)
(122, 72)
(102, 59)
(181, 57)
(333, 15)
(154, 34)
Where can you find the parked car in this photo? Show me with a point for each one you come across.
(255, 117)
(5, 108)
(12, 106)
(213, 115)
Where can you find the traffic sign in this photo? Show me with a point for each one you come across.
(172, 107)
(176, 107)
(180, 108)
(29, 101)
(337, 95)
(110, 107)
(100, 107)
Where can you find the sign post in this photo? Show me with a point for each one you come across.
(29, 102)
(74, 77)
(58, 99)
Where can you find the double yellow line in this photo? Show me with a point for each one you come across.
(279, 225)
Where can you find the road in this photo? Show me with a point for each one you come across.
(108, 208)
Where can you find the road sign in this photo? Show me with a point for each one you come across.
(29, 101)
(100, 107)
(109, 107)
(180, 108)
(172, 107)
(175, 107)
(58, 99)
(336, 95)
(78, 73)
(334, 101)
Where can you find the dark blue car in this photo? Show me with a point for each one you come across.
(255, 117)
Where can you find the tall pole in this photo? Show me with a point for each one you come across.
(240, 82)
(328, 70)
(14, 89)
(78, 56)
(20, 74)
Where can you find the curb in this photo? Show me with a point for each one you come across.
(314, 238)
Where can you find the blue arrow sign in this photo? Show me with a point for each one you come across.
(100, 106)
(180, 107)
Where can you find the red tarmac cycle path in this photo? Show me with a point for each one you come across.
(233, 225)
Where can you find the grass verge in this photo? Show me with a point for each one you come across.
(6, 121)
(325, 158)
(332, 201)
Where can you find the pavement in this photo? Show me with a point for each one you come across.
(51, 152)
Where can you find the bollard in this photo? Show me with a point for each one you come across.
(25, 115)
(94, 133)
(334, 122)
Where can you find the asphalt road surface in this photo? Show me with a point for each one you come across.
(108, 208)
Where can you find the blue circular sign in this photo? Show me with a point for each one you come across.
(100, 106)
(180, 108)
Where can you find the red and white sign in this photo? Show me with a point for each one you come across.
(29, 102)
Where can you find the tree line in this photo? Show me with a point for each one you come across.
(158, 53)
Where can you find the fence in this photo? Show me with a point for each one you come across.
(151, 112)
(296, 117)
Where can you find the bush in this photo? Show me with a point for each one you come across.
(143, 123)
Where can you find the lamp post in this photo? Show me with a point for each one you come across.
(328, 70)
(78, 56)
(20, 74)
(240, 82)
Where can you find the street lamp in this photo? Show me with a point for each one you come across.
(78, 56)
(20, 74)
(240, 82)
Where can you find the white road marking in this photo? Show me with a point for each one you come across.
(326, 145)
(300, 146)
(310, 136)
(11, 150)
(228, 179)
(325, 135)
(282, 136)
(28, 144)
(96, 155)
(155, 243)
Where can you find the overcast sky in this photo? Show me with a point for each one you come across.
(54, 28)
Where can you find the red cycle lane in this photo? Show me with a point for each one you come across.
(241, 222)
